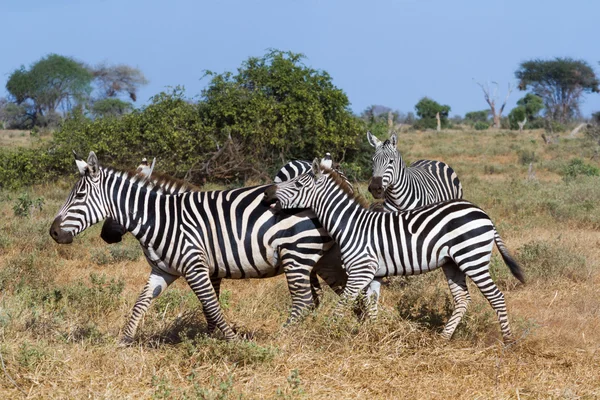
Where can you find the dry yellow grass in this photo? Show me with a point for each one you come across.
(64, 345)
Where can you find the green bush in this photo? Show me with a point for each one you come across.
(577, 167)
(481, 126)
(526, 156)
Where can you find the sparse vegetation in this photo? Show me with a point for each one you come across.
(62, 307)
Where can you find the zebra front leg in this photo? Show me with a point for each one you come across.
(458, 287)
(330, 269)
(299, 284)
(200, 282)
(216, 284)
(156, 284)
(359, 276)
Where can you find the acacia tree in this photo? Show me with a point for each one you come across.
(51, 83)
(560, 83)
(491, 96)
(115, 80)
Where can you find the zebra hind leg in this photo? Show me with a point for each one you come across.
(299, 279)
(198, 279)
(482, 279)
(216, 284)
(155, 286)
(458, 287)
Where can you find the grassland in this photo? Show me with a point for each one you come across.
(62, 307)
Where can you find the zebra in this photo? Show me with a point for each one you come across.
(297, 167)
(202, 236)
(454, 235)
(423, 182)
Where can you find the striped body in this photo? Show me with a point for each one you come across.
(454, 235)
(404, 188)
(202, 236)
(291, 170)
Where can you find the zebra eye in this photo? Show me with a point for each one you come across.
(80, 195)
(298, 184)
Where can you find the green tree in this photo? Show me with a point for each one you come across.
(427, 110)
(277, 107)
(110, 107)
(528, 109)
(477, 116)
(560, 83)
(51, 83)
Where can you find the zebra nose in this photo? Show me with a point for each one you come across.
(376, 187)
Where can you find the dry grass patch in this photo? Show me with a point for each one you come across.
(62, 308)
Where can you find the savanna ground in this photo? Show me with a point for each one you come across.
(62, 307)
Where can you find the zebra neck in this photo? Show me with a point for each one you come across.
(398, 193)
(132, 203)
(337, 211)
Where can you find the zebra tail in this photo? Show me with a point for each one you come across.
(512, 264)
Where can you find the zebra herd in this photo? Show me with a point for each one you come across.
(307, 224)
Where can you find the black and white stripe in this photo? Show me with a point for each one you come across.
(454, 235)
(202, 236)
(292, 170)
(404, 188)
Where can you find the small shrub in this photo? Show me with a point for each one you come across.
(526, 156)
(24, 205)
(481, 126)
(218, 390)
(544, 260)
(120, 253)
(207, 349)
(577, 167)
(30, 356)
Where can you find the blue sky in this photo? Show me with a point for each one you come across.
(379, 52)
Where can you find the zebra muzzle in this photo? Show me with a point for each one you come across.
(376, 187)
(58, 234)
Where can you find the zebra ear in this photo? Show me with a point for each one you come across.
(373, 141)
(92, 163)
(316, 167)
(393, 140)
(81, 166)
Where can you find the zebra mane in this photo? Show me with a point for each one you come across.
(346, 188)
(157, 182)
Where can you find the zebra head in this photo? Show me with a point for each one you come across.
(295, 193)
(387, 162)
(85, 205)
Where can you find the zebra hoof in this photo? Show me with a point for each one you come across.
(125, 341)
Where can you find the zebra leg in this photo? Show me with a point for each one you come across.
(156, 284)
(315, 288)
(458, 287)
(216, 284)
(372, 298)
(330, 269)
(358, 278)
(481, 277)
(299, 283)
(198, 278)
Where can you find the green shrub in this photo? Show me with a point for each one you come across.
(577, 167)
(526, 156)
(547, 261)
(24, 206)
(481, 126)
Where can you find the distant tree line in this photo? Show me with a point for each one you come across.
(246, 124)
(42, 94)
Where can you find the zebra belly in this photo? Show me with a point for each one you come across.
(397, 264)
